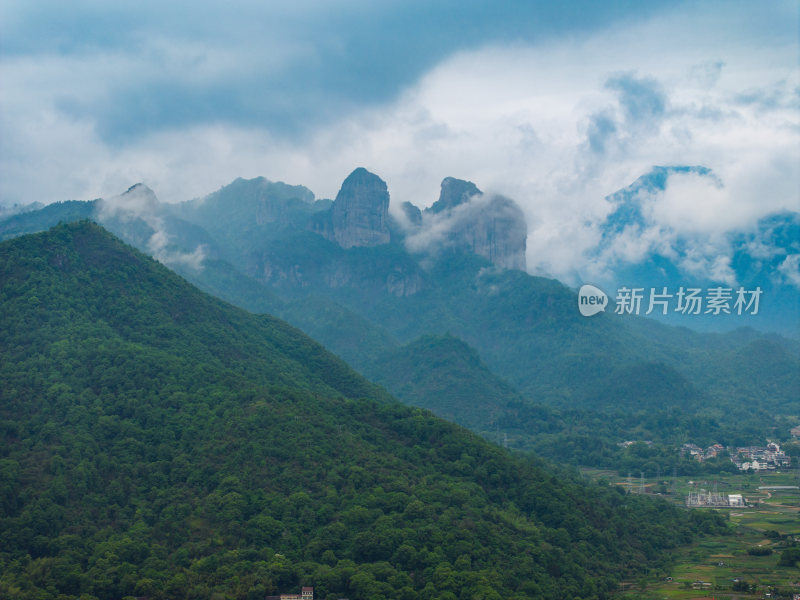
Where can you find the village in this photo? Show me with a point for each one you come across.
(306, 593)
(747, 458)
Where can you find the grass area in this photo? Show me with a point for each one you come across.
(772, 521)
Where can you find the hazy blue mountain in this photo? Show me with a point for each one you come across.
(44, 217)
(242, 214)
(765, 256)
(280, 236)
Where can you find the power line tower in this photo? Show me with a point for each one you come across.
(641, 483)
(716, 499)
(693, 499)
(797, 459)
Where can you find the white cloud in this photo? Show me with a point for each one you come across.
(139, 204)
(790, 270)
(706, 262)
(193, 260)
(514, 119)
(693, 203)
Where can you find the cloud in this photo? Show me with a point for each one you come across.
(601, 129)
(638, 112)
(694, 203)
(683, 214)
(789, 269)
(642, 99)
(705, 261)
(284, 68)
(554, 114)
(194, 260)
(139, 205)
(444, 229)
(137, 202)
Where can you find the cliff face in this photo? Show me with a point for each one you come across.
(281, 236)
(464, 217)
(454, 192)
(359, 216)
(498, 232)
(491, 226)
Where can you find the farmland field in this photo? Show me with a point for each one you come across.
(744, 563)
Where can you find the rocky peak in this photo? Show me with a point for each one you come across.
(136, 200)
(491, 226)
(359, 216)
(412, 213)
(499, 232)
(454, 192)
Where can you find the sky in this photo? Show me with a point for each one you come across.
(556, 105)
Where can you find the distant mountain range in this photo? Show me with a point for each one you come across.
(389, 294)
(252, 224)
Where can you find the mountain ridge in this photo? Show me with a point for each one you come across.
(160, 442)
(369, 301)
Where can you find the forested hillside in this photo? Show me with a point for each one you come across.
(159, 442)
(546, 378)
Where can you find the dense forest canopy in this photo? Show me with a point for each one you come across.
(496, 350)
(158, 442)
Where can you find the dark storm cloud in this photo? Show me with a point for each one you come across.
(283, 68)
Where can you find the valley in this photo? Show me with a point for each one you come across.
(451, 300)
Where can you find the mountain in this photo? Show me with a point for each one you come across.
(159, 442)
(445, 375)
(637, 250)
(276, 251)
(44, 217)
(378, 303)
(463, 217)
(244, 213)
(308, 244)
(360, 214)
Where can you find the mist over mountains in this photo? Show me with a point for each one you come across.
(640, 247)
(388, 290)
(387, 299)
(249, 222)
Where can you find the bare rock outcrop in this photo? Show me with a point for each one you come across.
(359, 216)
